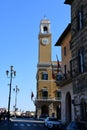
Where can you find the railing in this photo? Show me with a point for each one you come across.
(67, 78)
(48, 99)
(63, 79)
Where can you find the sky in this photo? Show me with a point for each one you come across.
(19, 29)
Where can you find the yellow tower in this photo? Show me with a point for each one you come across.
(47, 100)
(44, 42)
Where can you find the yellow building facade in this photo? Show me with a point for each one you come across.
(48, 99)
(67, 109)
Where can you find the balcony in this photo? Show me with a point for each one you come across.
(63, 79)
(45, 99)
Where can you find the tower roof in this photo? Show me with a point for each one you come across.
(45, 20)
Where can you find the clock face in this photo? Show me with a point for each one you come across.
(45, 41)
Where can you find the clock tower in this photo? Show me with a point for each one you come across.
(44, 42)
(46, 103)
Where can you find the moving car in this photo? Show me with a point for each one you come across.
(77, 126)
(52, 122)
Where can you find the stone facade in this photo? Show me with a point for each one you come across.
(79, 57)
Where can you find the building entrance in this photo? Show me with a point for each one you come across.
(44, 110)
(68, 107)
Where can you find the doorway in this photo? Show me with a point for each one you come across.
(68, 107)
(44, 110)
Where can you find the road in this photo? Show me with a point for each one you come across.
(22, 124)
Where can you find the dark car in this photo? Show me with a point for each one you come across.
(42, 117)
(52, 122)
(74, 125)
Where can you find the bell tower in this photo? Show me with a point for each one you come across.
(46, 86)
(44, 42)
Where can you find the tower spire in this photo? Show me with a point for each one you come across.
(44, 16)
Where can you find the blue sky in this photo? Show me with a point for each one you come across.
(19, 29)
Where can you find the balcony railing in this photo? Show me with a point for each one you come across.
(64, 79)
(48, 99)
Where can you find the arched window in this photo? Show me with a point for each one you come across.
(44, 76)
(45, 29)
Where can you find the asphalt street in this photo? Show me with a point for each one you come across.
(22, 124)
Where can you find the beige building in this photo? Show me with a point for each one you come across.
(67, 110)
(73, 42)
(48, 99)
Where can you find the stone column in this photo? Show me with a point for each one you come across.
(50, 109)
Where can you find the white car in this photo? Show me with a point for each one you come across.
(52, 122)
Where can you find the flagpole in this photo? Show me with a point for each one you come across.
(53, 74)
(58, 64)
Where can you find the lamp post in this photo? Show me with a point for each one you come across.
(16, 90)
(12, 74)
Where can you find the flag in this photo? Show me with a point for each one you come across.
(58, 64)
(32, 95)
(53, 74)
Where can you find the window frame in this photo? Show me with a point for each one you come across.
(58, 94)
(44, 94)
(65, 51)
(80, 18)
(81, 60)
(44, 76)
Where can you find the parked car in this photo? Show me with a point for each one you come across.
(77, 126)
(42, 117)
(52, 122)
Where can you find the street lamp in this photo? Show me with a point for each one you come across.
(16, 90)
(12, 74)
